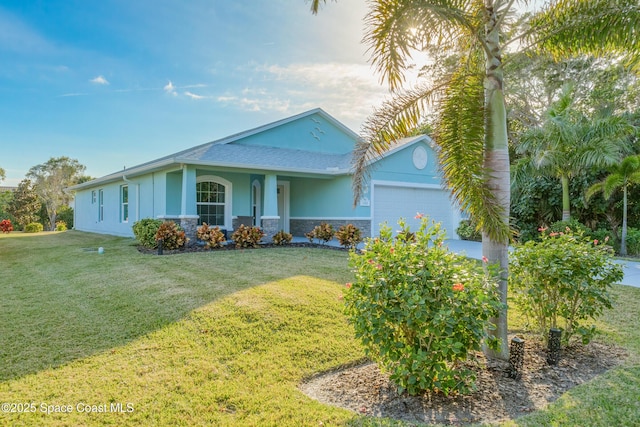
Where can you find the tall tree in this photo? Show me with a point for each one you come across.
(622, 175)
(2, 175)
(569, 143)
(50, 180)
(25, 205)
(471, 129)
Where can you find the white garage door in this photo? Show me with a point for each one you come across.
(391, 203)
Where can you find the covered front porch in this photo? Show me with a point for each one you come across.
(227, 198)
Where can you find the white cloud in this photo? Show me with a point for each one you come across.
(170, 89)
(347, 90)
(100, 80)
(193, 95)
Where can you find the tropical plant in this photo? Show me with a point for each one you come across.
(212, 236)
(323, 233)
(6, 226)
(621, 176)
(471, 124)
(420, 310)
(171, 235)
(247, 236)
(569, 143)
(349, 236)
(563, 280)
(282, 238)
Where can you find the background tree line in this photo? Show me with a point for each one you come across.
(41, 196)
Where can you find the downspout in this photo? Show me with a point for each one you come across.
(128, 181)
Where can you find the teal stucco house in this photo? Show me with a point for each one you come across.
(288, 175)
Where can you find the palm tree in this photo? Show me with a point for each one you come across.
(471, 129)
(568, 143)
(621, 176)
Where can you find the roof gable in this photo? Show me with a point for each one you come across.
(314, 131)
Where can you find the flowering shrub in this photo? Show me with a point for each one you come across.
(419, 310)
(172, 235)
(33, 227)
(282, 238)
(246, 236)
(562, 281)
(145, 231)
(61, 226)
(213, 237)
(323, 233)
(349, 236)
(6, 226)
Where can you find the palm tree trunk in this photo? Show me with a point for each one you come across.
(623, 241)
(566, 204)
(496, 161)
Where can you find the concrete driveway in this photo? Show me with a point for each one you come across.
(474, 250)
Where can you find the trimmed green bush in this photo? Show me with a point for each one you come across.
(61, 226)
(420, 310)
(33, 227)
(562, 281)
(467, 231)
(145, 231)
(633, 241)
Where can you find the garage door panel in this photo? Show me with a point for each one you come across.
(391, 203)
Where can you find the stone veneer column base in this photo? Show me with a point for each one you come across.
(190, 226)
(270, 226)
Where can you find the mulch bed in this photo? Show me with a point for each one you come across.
(365, 390)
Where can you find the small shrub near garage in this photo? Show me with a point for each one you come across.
(33, 227)
(349, 236)
(282, 238)
(563, 281)
(420, 310)
(323, 233)
(6, 226)
(212, 236)
(172, 235)
(145, 231)
(247, 236)
(467, 231)
(61, 226)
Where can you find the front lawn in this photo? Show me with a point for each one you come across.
(220, 338)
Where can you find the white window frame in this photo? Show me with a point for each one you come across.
(101, 205)
(124, 205)
(228, 197)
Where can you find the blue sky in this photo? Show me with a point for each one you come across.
(116, 83)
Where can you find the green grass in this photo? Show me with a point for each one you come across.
(220, 338)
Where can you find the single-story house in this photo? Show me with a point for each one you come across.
(288, 175)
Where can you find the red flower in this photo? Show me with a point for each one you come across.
(458, 287)
(542, 229)
(485, 259)
(595, 242)
(391, 250)
(371, 262)
(419, 215)
(554, 234)
(379, 267)
(348, 285)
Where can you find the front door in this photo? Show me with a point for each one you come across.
(283, 205)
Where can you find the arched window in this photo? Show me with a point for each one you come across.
(213, 201)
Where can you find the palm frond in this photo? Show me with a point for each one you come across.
(398, 117)
(597, 27)
(397, 27)
(460, 136)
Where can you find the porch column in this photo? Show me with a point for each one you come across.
(188, 212)
(270, 219)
